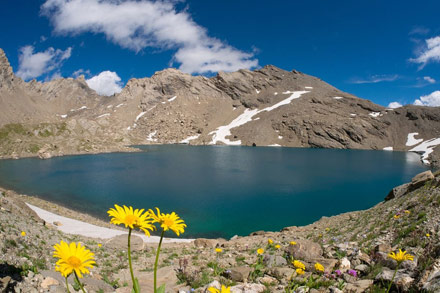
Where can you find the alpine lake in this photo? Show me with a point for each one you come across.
(219, 191)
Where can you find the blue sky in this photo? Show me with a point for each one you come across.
(384, 51)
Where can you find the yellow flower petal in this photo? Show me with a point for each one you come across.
(223, 290)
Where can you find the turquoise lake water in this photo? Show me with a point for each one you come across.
(219, 191)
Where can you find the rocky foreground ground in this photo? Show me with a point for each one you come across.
(352, 247)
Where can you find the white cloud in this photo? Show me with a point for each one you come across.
(55, 75)
(431, 100)
(394, 105)
(376, 78)
(81, 72)
(32, 65)
(430, 52)
(136, 25)
(419, 30)
(106, 83)
(429, 79)
(214, 58)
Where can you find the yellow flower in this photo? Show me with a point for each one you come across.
(73, 257)
(319, 267)
(292, 243)
(428, 235)
(223, 290)
(270, 241)
(218, 250)
(168, 221)
(407, 212)
(299, 265)
(401, 256)
(99, 245)
(300, 271)
(396, 216)
(327, 229)
(260, 250)
(277, 246)
(131, 218)
(23, 233)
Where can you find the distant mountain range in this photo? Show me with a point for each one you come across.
(264, 107)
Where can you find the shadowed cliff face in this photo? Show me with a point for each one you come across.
(269, 106)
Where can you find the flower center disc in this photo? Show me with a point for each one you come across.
(168, 222)
(74, 261)
(130, 220)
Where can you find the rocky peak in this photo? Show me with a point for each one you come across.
(169, 72)
(81, 79)
(6, 74)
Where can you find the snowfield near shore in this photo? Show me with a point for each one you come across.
(71, 226)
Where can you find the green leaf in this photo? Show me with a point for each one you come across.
(161, 289)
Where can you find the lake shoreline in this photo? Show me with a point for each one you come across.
(135, 149)
(62, 211)
(59, 214)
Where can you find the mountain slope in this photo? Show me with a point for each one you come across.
(269, 106)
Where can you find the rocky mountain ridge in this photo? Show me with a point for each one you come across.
(264, 107)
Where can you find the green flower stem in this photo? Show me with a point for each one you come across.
(394, 275)
(67, 286)
(80, 285)
(129, 260)
(157, 260)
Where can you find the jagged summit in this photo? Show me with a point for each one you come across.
(7, 76)
(39, 102)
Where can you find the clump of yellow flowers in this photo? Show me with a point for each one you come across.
(299, 265)
(75, 258)
(319, 267)
(138, 219)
